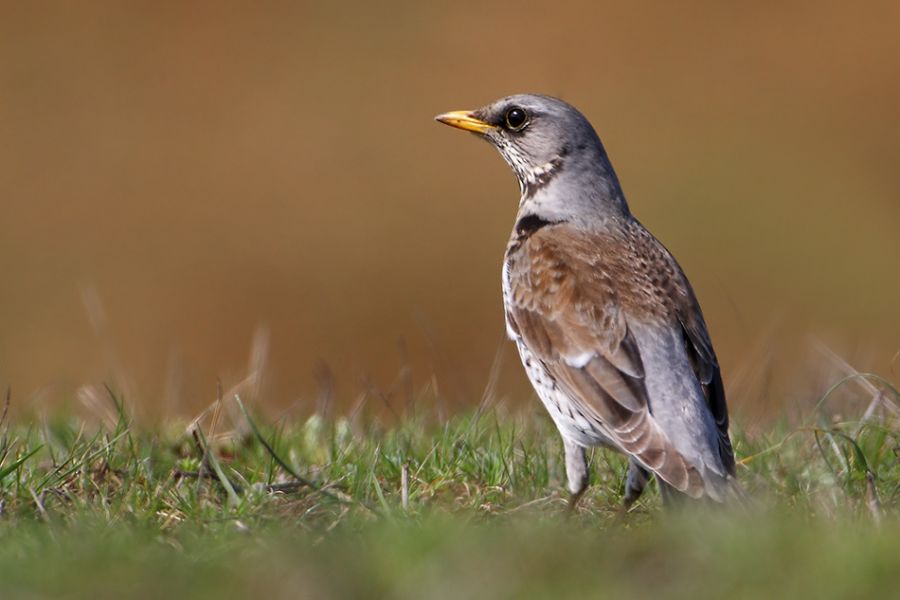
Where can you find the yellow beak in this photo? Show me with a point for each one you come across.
(463, 119)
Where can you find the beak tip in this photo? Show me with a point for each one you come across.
(448, 117)
(465, 120)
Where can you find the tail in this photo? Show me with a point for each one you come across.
(723, 491)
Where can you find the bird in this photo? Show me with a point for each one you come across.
(608, 328)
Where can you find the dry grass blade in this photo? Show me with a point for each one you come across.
(404, 486)
(863, 379)
(6, 404)
(39, 505)
(873, 503)
(490, 389)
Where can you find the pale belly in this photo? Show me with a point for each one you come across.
(571, 424)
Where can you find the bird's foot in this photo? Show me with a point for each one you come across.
(572, 504)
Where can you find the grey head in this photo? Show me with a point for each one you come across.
(557, 157)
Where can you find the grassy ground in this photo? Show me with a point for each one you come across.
(470, 507)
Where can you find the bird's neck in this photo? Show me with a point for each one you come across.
(566, 189)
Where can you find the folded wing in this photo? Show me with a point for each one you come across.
(570, 297)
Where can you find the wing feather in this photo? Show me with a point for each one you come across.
(563, 304)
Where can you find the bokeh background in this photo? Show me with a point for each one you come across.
(179, 179)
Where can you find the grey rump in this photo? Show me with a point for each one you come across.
(608, 328)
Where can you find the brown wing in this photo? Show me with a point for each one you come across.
(562, 301)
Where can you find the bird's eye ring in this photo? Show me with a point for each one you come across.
(516, 118)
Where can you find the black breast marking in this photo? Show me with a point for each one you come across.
(528, 224)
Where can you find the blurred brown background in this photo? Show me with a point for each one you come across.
(174, 175)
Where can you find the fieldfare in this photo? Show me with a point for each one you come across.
(607, 325)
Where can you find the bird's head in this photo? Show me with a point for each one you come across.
(552, 149)
(538, 136)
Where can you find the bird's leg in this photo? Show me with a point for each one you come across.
(576, 471)
(635, 482)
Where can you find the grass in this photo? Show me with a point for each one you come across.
(472, 506)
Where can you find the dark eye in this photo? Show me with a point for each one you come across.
(516, 118)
